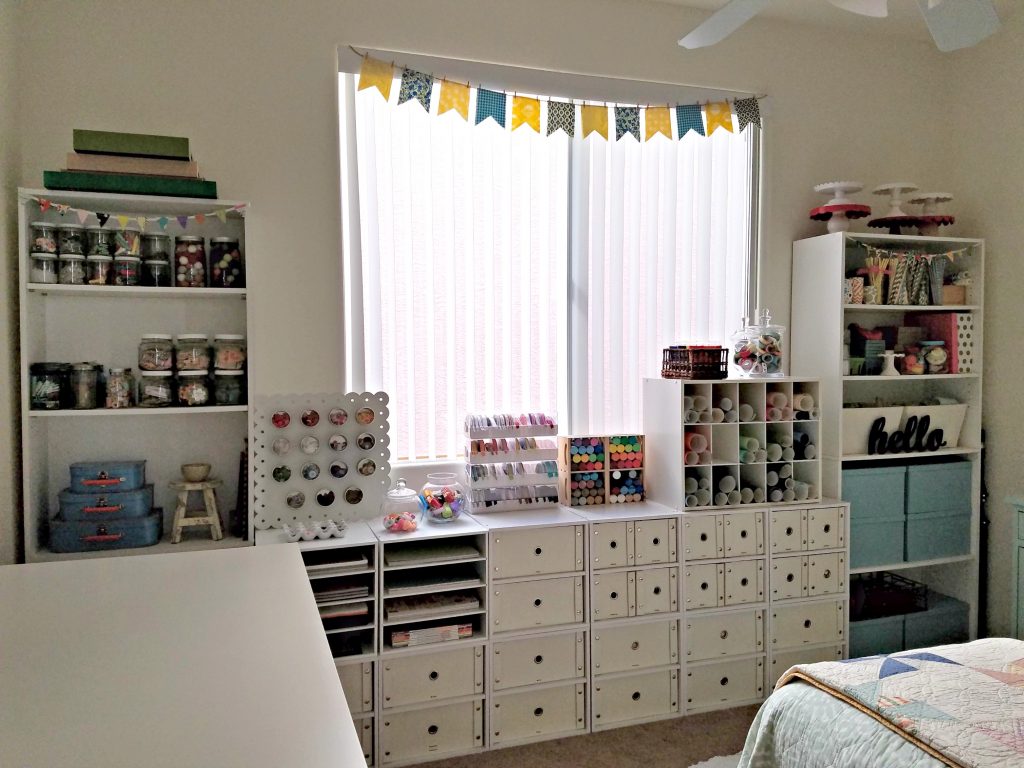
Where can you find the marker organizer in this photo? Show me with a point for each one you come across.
(601, 469)
(511, 462)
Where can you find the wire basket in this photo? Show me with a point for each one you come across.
(695, 362)
(876, 595)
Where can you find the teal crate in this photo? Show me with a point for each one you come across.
(947, 620)
(939, 488)
(876, 636)
(933, 536)
(877, 542)
(875, 493)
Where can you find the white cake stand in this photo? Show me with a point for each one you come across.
(895, 191)
(840, 209)
(931, 217)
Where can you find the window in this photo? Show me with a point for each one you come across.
(491, 270)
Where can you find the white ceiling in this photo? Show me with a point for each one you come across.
(904, 18)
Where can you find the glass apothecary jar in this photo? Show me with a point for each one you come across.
(156, 389)
(156, 352)
(193, 388)
(48, 382)
(120, 388)
(98, 269)
(84, 386)
(229, 351)
(192, 352)
(126, 270)
(71, 270)
(44, 237)
(757, 350)
(71, 239)
(228, 387)
(44, 268)
(443, 497)
(99, 241)
(226, 269)
(189, 262)
(401, 508)
(127, 242)
(156, 247)
(157, 274)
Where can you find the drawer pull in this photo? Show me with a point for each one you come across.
(537, 551)
(657, 590)
(723, 634)
(636, 695)
(538, 711)
(704, 585)
(613, 544)
(807, 624)
(703, 537)
(614, 595)
(790, 577)
(635, 645)
(538, 659)
(656, 541)
(432, 730)
(743, 534)
(433, 675)
(828, 527)
(724, 681)
(827, 574)
(789, 530)
(537, 602)
(744, 581)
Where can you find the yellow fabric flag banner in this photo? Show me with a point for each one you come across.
(594, 119)
(454, 96)
(376, 74)
(718, 115)
(525, 111)
(656, 120)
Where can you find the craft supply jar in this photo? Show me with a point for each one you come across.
(71, 270)
(99, 241)
(192, 352)
(193, 388)
(226, 263)
(44, 237)
(757, 350)
(156, 352)
(120, 388)
(99, 269)
(126, 270)
(47, 382)
(71, 239)
(228, 387)
(189, 262)
(401, 508)
(156, 247)
(127, 242)
(229, 351)
(156, 389)
(442, 497)
(156, 274)
(44, 268)
(83, 386)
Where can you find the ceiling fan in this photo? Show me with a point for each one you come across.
(953, 23)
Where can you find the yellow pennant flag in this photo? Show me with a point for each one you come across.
(376, 74)
(454, 96)
(122, 220)
(525, 111)
(142, 223)
(718, 115)
(656, 120)
(594, 119)
(222, 215)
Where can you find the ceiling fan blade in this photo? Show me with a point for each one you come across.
(959, 23)
(878, 9)
(723, 23)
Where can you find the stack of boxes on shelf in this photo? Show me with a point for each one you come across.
(511, 462)
(605, 469)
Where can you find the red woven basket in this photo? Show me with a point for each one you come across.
(695, 362)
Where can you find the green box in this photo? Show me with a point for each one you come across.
(131, 144)
(129, 184)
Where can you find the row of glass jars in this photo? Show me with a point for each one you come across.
(72, 269)
(192, 352)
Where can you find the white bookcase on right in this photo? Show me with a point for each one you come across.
(941, 552)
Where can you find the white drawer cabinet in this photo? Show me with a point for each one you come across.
(826, 528)
(425, 734)
(613, 595)
(640, 542)
(540, 659)
(786, 659)
(635, 646)
(538, 712)
(826, 574)
(654, 541)
(412, 679)
(635, 697)
(536, 551)
(635, 593)
(788, 530)
(743, 533)
(744, 582)
(701, 537)
(520, 605)
(357, 683)
(704, 585)
(808, 623)
(789, 577)
(724, 682)
(713, 635)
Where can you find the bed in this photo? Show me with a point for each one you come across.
(953, 705)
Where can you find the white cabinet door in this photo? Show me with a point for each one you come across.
(636, 697)
(611, 544)
(826, 574)
(531, 713)
(613, 595)
(703, 585)
(654, 541)
(724, 682)
(357, 683)
(788, 530)
(635, 646)
(807, 623)
(536, 551)
(541, 603)
(431, 676)
(541, 659)
(744, 582)
(439, 730)
(743, 533)
(826, 528)
(789, 577)
(702, 538)
(724, 634)
(656, 591)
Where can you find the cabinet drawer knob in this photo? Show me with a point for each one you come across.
(790, 577)
(703, 537)
(538, 659)
(743, 534)
(538, 711)
(827, 527)
(723, 634)
(744, 581)
(635, 645)
(612, 544)
(807, 623)
(636, 695)
(656, 541)
(828, 573)
(724, 681)
(433, 675)
(704, 585)
(657, 590)
(537, 551)
(432, 730)
(537, 602)
(789, 530)
(614, 595)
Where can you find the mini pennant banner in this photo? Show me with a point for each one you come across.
(62, 209)
(454, 97)
(525, 111)
(376, 74)
(182, 221)
(627, 120)
(718, 115)
(82, 215)
(200, 218)
(747, 113)
(123, 220)
(102, 218)
(44, 205)
(162, 221)
(221, 214)
(562, 114)
(688, 118)
(490, 104)
(594, 120)
(656, 120)
(416, 85)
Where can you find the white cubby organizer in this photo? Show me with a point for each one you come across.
(103, 324)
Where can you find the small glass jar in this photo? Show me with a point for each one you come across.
(189, 262)
(442, 497)
(156, 352)
(44, 268)
(401, 508)
(126, 270)
(72, 270)
(127, 242)
(99, 241)
(156, 389)
(99, 269)
(757, 350)
(84, 385)
(120, 388)
(193, 388)
(70, 239)
(228, 387)
(192, 352)
(48, 382)
(226, 269)
(229, 351)
(44, 237)
(156, 273)
(156, 247)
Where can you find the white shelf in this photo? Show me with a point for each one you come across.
(439, 616)
(68, 413)
(918, 377)
(916, 564)
(162, 547)
(912, 455)
(126, 291)
(911, 308)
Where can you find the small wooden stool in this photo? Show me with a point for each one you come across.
(211, 517)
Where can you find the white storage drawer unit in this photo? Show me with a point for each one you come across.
(808, 623)
(826, 574)
(704, 585)
(826, 528)
(538, 712)
(744, 582)
(635, 697)
(541, 659)
(613, 595)
(519, 605)
(635, 646)
(743, 533)
(709, 636)
(788, 530)
(702, 539)
(635, 593)
(640, 542)
(786, 659)
(357, 683)
(438, 730)
(724, 682)
(789, 577)
(411, 679)
(536, 551)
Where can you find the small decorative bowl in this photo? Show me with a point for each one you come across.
(195, 473)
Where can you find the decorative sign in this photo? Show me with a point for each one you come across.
(915, 437)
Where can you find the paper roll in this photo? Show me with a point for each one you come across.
(801, 438)
(788, 454)
(687, 403)
(746, 412)
(759, 495)
(717, 415)
(772, 478)
(750, 443)
(691, 417)
(746, 495)
(725, 404)
(810, 452)
(695, 441)
(727, 484)
(705, 458)
(790, 482)
(803, 402)
(777, 399)
(801, 491)
(704, 484)
(731, 417)
(774, 451)
(703, 498)
(785, 470)
(700, 403)
(761, 455)
(788, 495)
(815, 413)
(787, 414)
(784, 440)
(691, 458)
(691, 500)
(721, 499)
(775, 495)
(735, 497)
(746, 457)
(774, 414)
(690, 485)
(704, 417)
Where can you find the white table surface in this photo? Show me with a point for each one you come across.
(213, 659)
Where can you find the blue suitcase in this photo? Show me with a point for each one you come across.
(105, 506)
(90, 536)
(117, 476)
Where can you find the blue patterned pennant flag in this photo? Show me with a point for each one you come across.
(416, 85)
(747, 112)
(689, 118)
(627, 120)
(490, 104)
(562, 114)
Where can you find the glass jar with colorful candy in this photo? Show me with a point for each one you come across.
(443, 497)
(401, 507)
(189, 261)
(757, 350)
(226, 263)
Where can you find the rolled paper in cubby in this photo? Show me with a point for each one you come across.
(691, 500)
(774, 414)
(704, 417)
(690, 485)
(700, 403)
(705, 458)
(788, 495)
(750, 443)
(727, 484)
(787, 414)
(772, 478)
(746, 495)
(801, 490)
(788, 454)
(731, 417)
(735, 497)
(761, 455)
(747, 457)
(717, 415)
(759, 495)
(790, 482)
(802, 402)
(777, 400)
(746, 412)
(725, 404)
(691, 458)
(785, 470)
(774, 451)
(696, 442)
(687, 403)
(815, 413)
(775, 495)
(704, 484)
(810, 452)
(691, 417)
(785, 441)
(721, 499)
(703, 497)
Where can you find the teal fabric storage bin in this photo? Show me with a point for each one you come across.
(877, 518)
(875, 636)
(933, 536)
(943, 488)
(946, 621)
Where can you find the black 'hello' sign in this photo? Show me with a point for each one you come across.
(914, 437)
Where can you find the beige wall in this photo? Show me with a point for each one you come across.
(254, 86)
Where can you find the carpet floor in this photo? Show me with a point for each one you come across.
(676, 743)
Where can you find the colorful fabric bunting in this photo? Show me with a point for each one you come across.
(200, 218)
(162, 221)
(627, 120)
(122, 221)
(378, 74)
(455, 97)
(182, 221)
(102, 218)
(221, 214)
(594, 119)
(562, 114)
(718, 115)
(82, 216)
(416, 85)
(688, 118)
(490, 104)
(656, 120)
(44, 205)
(747, 112)
(525, 111)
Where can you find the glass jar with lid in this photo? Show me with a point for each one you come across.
(156, 247)
(228, 387)
(443, 497)
(156, 389)
(44, 237)
(226, 263)
(757, 350)
(192, 352)
(71, 239)
(127, 242)
(99, 270)
(193, 388)
(156, 352)
(71, 270)
(156, 273)
(84, 386)
(189, 262)
(120, 388)
(229, 351)
(401, 508)
(44, 268)
(126, 270)
(48, 382)
(99, 241)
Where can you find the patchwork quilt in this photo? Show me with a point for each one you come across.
(961, 704)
